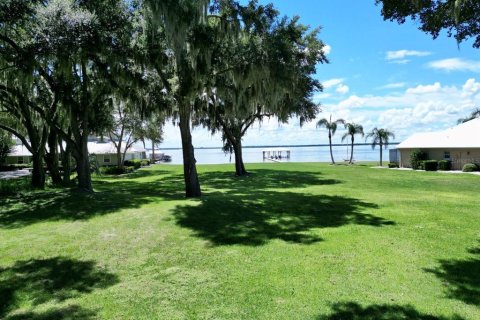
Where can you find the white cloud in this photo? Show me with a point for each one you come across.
(327, 49)
(342, 89)
(471, 87)
(403, 61)
(420, 89)
(395, 85)
(402, 54)
(331, 82)
(421, 108)
(455, 64)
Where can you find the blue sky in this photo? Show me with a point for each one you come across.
(381, 74)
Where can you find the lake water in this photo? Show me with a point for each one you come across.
(297, 154)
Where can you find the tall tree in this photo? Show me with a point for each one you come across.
(352, 130)
(78, 48)
(459, 18)
(20, 102)
(265, 71)
(331, 126)
(182, 38)
(380, 137)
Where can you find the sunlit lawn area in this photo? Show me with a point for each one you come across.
(291, 241)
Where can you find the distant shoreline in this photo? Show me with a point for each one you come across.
(285, 146)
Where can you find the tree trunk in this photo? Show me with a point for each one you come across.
(119, 155)
(239, 165)
(330, 141)
(83, 166)
(351, 151)
(153, 153)
(381, 154)
(66, 164)
(51, 158)
(192, 185)
(38, 172)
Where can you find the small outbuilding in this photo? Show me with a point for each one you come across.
(460, 145)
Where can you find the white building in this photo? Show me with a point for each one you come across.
(460, 145)
(106, 153)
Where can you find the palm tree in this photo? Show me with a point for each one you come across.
(475, 114)
(352, 130)
(380, 137)
(331, 126)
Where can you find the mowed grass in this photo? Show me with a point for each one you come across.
(291, 241)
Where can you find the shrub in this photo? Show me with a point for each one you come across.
(145, 162)
(416, 157)
(430, 165)
(470, 167)
(117, 170)
(445, 165)
(393, 165)
(136, 163)
(15, 186)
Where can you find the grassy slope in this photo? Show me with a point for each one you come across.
(292, 241)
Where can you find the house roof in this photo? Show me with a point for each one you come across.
(19, 150)
(93, 147)
(109, 148)
(464, 135)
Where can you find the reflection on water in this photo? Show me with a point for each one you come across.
(297, 154)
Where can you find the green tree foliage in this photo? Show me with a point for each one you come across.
(352, 130)
(331, 126)
(179, 46)
(459, 18)
(80, 50)
(264, 71)
(380, 137)
(6, 144)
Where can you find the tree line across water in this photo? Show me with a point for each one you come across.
(70, 69)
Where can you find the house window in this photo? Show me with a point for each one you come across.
(446, 155)
(20, 160)
(106, 159)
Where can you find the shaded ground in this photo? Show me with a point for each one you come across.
(255, 209)
(354, 311)
(461, 278)
(38, 281)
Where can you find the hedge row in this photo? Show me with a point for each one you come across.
(471, 167)
(136, 163)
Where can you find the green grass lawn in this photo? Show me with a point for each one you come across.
(291, 241)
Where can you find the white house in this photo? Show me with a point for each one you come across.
(106, 153)
(19, 155)
(460, 145)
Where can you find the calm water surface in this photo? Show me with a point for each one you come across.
(297, 154)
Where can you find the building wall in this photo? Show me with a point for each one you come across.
(18, 159)
(459, 157)
(111, 159)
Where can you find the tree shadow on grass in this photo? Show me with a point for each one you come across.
(73, 312)
(263, 179)
(255, 209)
(112, 195)
(38, 281)
(461, 277)
(256, 218)
(354, 311)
